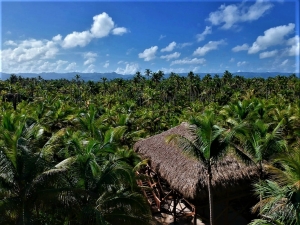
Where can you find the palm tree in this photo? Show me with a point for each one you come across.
(24, 174)
(280, 203)
(257, 142)
(207, 146)
(104, 184)
(148, 72)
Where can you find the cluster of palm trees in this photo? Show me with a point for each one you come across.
(254, 132)
(66, 154)
(63, 168)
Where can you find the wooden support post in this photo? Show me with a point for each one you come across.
(195, 216)
(227, 206)
(174, 206)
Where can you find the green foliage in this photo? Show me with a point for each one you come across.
(66, 152)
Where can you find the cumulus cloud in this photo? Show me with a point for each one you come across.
(39, 66)
(268, 54)
(28, 50)
(90, 57)
(236, 13)
(238, 48)
(57, 38)
(119, 31)
(71, 66)
(59, 64)
(189, 61)
(77, 39)
(241, 63)
(19, 53)
(171, 56)
(106, 64)
(201, 37)
(102, 26)
(212, 45)
(294, 46)
(89, 61)
(149, 53)
(89, 69)
(10, 43)
(271, 37)
(169, 48)
(131, 68)
(232, 60)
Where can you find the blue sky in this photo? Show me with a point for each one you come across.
(172, 36)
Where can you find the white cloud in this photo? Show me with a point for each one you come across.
(28, 50)
(170, 47)
(89, 61)
(241, 63)
(149, 53)
(294, 49)
(284, 62)
(89, 55)
(36, 65)
(42, 66)
(256, 10)
(189, 61)
(77, 39)
(201, 37)
(10, 43)
(171, 56)
(102, 25)
(131, 68)
(238, 48)
(45, 67)
(59, 64)
(232, 60)
(71, 66)
(212, 45)
(268, 54)
(106, 64)
(89, 69)
(57, 38)
(119, 31)
(271, 37)
(174, 70)
(236, 13)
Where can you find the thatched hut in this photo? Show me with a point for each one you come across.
(231, 179)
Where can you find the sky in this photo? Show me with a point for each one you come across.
(130, 36)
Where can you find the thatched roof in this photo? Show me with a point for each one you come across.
(186, 175)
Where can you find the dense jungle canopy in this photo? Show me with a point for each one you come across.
(66, 145)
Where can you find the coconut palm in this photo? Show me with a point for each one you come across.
(24, 174)
(207, 146)
(257, 142)
(104, 184)
(280, 203)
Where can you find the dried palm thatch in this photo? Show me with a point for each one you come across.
(187, 175)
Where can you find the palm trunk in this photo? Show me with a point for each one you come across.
(210, 195)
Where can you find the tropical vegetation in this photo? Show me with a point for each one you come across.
(66, 145)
